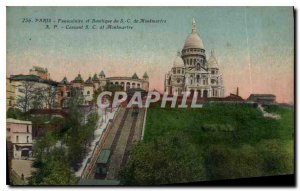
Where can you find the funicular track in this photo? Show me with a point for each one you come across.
(129, 141)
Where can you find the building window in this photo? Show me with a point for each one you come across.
(178, 81)
(27, 129)
(198, 66)
(198, 77)
(61, 93)
(8, 129)
(68, 94)
(17, 138)
(213, 72)
(88, 92)
(27, 139)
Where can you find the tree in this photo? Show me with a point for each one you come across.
(42, 147)
(38, 98)
(165, 160)
(49, 96)
(24, 101)
(14, 113)
(225, 162)
(55, 170)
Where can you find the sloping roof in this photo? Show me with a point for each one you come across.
(31, 78)
(124, 78)
(263, 95)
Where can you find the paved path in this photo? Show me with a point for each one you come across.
(266, 114)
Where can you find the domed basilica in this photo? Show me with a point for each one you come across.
(192, 71)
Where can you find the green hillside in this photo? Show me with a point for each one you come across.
(218, 141)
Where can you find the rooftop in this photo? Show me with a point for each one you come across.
(32, 78)
(11, 120)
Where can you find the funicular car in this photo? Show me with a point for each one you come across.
(101, 167)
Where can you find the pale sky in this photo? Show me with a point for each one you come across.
(246, 40)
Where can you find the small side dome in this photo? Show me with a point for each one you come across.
(89, 80)
(178, 62)
(212, 61)
(134, 76)
(102, 74)
(145, 76)
(95, 78)
(64, 81)
(78, 79)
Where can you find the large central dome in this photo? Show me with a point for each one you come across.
(193, 40)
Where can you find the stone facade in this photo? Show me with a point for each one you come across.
(88, 87)
(192, 71)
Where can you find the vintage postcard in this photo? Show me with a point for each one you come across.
(150, 96)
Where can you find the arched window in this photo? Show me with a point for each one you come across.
(17, 138)
(127, 85)
(88, 92)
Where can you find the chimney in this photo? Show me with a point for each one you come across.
(237, 91)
